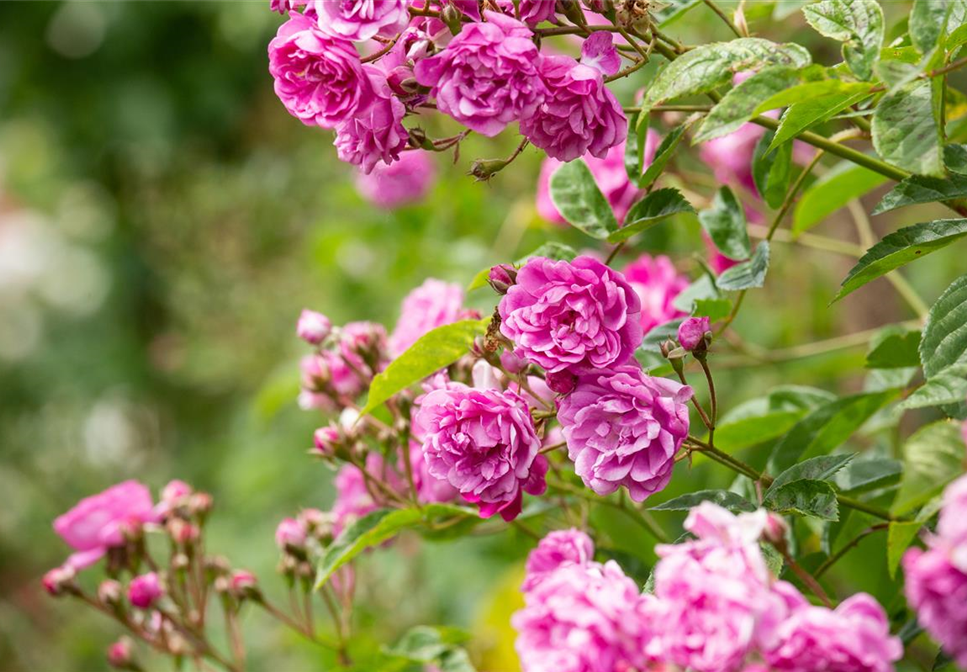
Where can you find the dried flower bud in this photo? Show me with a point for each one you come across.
(59, 580)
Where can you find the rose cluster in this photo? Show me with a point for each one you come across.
(936, 579)
(485, 69)
(715, 607)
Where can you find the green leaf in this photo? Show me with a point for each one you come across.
(712, 65)
(702, 289)
(765, 418)
(814, 111)
(723, 498)
(671, 11)
(808, 91)
(955, 156)
(739, 105)
(434, 350)
(372, 530)
(579, 200)
(932, 458)
(944, 339)
(856, 23)
(901, 247)
(949, 386)
(666, 149)
(657, 335)
(713, 309)
(819, 468)
(748, 274)
(725, 224)
(649, 211)
(826, 428)
(806, 498)
(551, 250)
(895, 352)
(831, 192)
(899, 537)
(905, 129)
(868, 474)
(922, 189)
(771, 170)
(636, 149)
(436, 646)
(930, 19)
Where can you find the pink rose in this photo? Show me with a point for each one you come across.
(313, 327)
(558, 549)
(691, 332)
(405, 181)
(658, 284)
(484, 443)
(375, 135)
(145, 590)
(320, 80)
(99, 522)
(431, 305)
(623, 428)
(571, 315)
(120, 654)
(360, 20)
(487, 76)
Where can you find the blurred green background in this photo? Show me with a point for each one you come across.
(162, 223)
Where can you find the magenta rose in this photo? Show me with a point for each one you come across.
(691, 332)
(571, 315)
(145, 590)
(658, 284)
(558, 549)
(487, 76)
(623, 428)
(407, 180)
(360, 20)
(533, 12)
(484, 443)
(99, 522)
(374, 135)
(579, 114)
(431, 305)
(320, 80)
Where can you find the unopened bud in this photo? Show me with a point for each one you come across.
(418, 139)
(561, 382)
(120, 655)
(453, 17)
(182, 532)
(401, 81)
(59, 580)
(201, 504)
(145, 590)
(110, 593)
(245, 585)
(313, 327)
(484, 169)
(695, 335)
(775, 529)
(502, 277)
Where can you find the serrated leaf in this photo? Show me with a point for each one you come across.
(579, 200)
(434, 350)
(806, 498)
(739, 105)
(375, 528)
(895, 352)
(808, 91)
(869, 474)
(635, 146)
(664, 152)
(711, 65)
(819, 468)
(551, 250)
(901, 247)
(845, 182)
(702, 289)
(713, 309)
(906, 133)
(657, 335)
(856, 23)
(899, 537)
(801, 116)
(649, 211)
(749, 274)
(944, 340)
(931, 18)
(932, 457)
(671, 11)
(826, 428)
(948, 386)
(724, 498)
(922, 189)
(771, 170)
(955, 156)
(765, 418)
(725, 224)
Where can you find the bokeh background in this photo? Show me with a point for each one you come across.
(162, 223)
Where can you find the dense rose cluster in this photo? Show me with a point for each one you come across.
(936, 579)
(715, 608)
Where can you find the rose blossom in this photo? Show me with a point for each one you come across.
(533, 12)
(854, 637)
(313, 327)
(579, 114)
(657, 283)
(320, 80)
(405, 181)
(360, 20)
(99, 522)
(487, 76)
(429, 488)
(623, 428)
(558, 549)
(431, 305)
(375, 135)
(609, 174)
(580, 618)
(691, 332)
(285, 6)
(145, 590)
(575, 315)
(485, 444)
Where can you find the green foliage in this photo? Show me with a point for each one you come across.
(725, 224)
(663, 153)
(858, 24)
(765, 418)
(862, 475)
(906, 132)
(433, 351)
(895, 351)
(932, 19)
(749, 274)
(948, 386)
(831, 192)
(932, 458)
(742, 103)
(579, 200)
(806, 497)
(944, 341)
(723, 498)
(817, 110)
(772, 170)
(923, 189)
(649, 211)
(425, 645)
(820, 468)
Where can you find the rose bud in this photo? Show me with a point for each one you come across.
(692, 333)
(244, 584)
(562, 382)
(502, 277)
(200, 503)
(145, 590)
(58, 580)
(121, 654)
(110, 592)
(327, 439)
(290, 534)
(775, 529)
(313, 327)
(183, 532)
